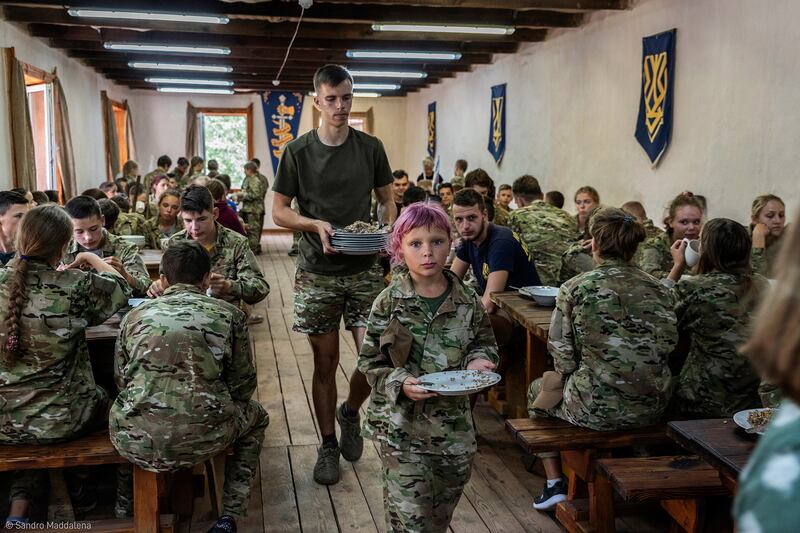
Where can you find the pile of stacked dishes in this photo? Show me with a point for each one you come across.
(359, 243)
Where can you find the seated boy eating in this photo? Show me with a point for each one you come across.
(186, 376)
(88, 235)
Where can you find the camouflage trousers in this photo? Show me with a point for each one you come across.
(255, 225)
(320, 302)
(240, 467)
(421, 490)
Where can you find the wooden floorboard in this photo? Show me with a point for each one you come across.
(285, 497)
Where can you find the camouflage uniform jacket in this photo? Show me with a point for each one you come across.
(153, 235)
(49, 393)
(547, 231)
(129, 224)
(653, 256)
(764, 260)
(500, 214)
(611, 334)
(253, 191)
(717, 380)
(576, 260)
(456, 334)
(651, 230)
(127, 253)
(182, 362)
(232, 259)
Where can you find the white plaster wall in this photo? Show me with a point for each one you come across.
(573, 101)
(82, 88)
(160, 126)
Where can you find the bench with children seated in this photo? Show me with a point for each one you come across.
(92, 450)
(579, 448)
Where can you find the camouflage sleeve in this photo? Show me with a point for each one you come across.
(101, 296)
(650, 259)
(240, 374)
(121, 356)
(684, 304)
(483, 345)
(134, 265)
(249, 285)
(771, 395)
(758, 260)
(381, 375)
(560, 338)
(254, 191)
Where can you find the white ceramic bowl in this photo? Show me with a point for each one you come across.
(542, 295)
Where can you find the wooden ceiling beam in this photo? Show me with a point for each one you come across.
(258, 28)
(569, 5)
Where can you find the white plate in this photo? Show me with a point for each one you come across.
(741, 418)
(135, 302)
(458, 382)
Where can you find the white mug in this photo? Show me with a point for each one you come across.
(692, 252)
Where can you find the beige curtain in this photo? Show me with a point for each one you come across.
(23, 156)
(112, 145)
(65, 158)
(192, 140)
(129, 132)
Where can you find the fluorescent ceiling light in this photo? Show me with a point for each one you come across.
(445, 28)
(131, 47)
(146, 15)
(376, 86)
(192, 90)
(388, 74)
(179, 66)
(183, 81)
(357, 95)
(388, 54)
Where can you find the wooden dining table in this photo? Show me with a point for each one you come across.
(152, 261)
(719, 442)
(535, 319)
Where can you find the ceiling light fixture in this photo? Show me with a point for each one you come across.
(193, 90)
(389, 54)
(376, 86)
(177, 49)
(179, 66)
(184, 81)
(445, 28)
(146, 15)
(356, 95)
(388, 74)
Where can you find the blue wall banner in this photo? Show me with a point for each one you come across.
(282, 112)
(654, 123)
(432, 129)
(497, 123)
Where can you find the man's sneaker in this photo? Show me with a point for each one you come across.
(326, 471)
(225, 524)
(294, 252)
(551, 496)
(350, 440)
(255, 319)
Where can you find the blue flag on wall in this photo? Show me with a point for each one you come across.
(497, 123)
(654, 124)
(282, 112)
(432, 129)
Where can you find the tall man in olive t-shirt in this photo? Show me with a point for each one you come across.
(332, 171)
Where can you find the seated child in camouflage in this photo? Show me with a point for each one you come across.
(166, 222)
(13, 207)
(425, 321)
(186, 378)
(714, 309)
(611, 334)
(89, 235)
(235, 274)
(683, 221)
(47, 390)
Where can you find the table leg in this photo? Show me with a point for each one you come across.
(535, 357)
(146, 513)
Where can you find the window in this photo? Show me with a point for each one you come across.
(226, 135)
(40, 104)
(121, 125)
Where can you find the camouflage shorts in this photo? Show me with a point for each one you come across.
(320, 301)
(421, 490)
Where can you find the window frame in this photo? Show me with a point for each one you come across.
(246, 112)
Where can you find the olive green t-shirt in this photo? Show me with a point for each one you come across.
(333, 184)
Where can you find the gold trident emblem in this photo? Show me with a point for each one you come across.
(431, 129)
(497, 117)
(655, 92)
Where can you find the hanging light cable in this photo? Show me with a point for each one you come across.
(304, 4)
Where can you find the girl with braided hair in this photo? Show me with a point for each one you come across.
(47, 390)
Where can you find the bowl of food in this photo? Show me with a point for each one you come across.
(754, 420)
(545, 296)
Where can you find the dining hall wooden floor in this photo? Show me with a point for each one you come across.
(285, 498)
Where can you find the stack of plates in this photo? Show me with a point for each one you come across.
(359, 243)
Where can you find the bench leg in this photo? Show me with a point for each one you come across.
(601, 505)
(146, 512)
(687, 515)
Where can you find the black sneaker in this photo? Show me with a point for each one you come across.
(351, 441)
(293, 252)
(225, 524)
(551, 496)
(326, 471)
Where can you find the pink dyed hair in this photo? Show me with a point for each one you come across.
(420, 214)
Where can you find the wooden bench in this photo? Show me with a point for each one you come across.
(579, 448)
(91, 450)
(680, 483)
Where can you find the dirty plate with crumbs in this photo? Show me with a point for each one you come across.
(754, 420)
(458, 382)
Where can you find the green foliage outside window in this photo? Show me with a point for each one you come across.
(226, 141)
